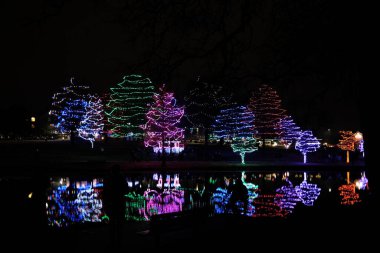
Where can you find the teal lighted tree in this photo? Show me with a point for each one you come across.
(243, 145)
(129, 102)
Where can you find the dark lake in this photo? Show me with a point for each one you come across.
(83, 210)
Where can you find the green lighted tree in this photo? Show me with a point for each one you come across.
(243, 145)
(129, 101)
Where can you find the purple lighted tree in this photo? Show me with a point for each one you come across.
(290, 132)
(307, 143)
(160, 129)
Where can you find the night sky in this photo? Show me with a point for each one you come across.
(308, 50)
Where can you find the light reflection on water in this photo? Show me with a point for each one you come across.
(252, 194)
(70, 202)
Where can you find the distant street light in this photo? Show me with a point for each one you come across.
(358, 136)
(33, 119)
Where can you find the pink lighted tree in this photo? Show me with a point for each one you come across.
(161, 131)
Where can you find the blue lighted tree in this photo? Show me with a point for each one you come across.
(68, 107)
(307, 143)
(92, 124)
(232, 122)
(290, 132)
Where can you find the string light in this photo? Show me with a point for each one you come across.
(142, 207)
(243, 145)
(68, 107)
(307, 143)
(287, 197)
(203, 103)
(92, 124)
(161, 129)
(307, 192)
(348, 195)
(233, 122)
(290, 132)
(75, 203)
(266, 206)
(127, 106)
(266, 106)
(347, 143)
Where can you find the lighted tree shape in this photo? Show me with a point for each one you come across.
(347, 143)
(162, 120)
(203, 103)
(128, 105)
(307, 143)
(232, 122)
(243, 145)
(290, 132)
(348, 194)
(287, 197)
(307, 192)
(266, 106)
(92, 124)
(68, 107)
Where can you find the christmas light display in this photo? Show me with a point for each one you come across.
(75, 202)
(92, 124)
(266, 206)
(348, 195)
(307, 143)
(128, 105)
(361, 147)
(362, 183)
(68, 107)
(233, 122)
(347, 143)
(203, 103)
(287, 197)
(250, 186)
(290, 132)
(221, 200)
(135, 206)
(266, 106)
(307, 192)
(161, 131)
(243, 145)
(143, 207)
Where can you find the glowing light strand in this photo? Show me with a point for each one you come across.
(127, 106)
(307, 143)
(161, 129)
(243, 145)
(290, 132)
(203, 103)
(266, 106)
(92, 124)
(78, 202)
(233, 122)
(307, 192)
(68, 107)
(347, 143)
